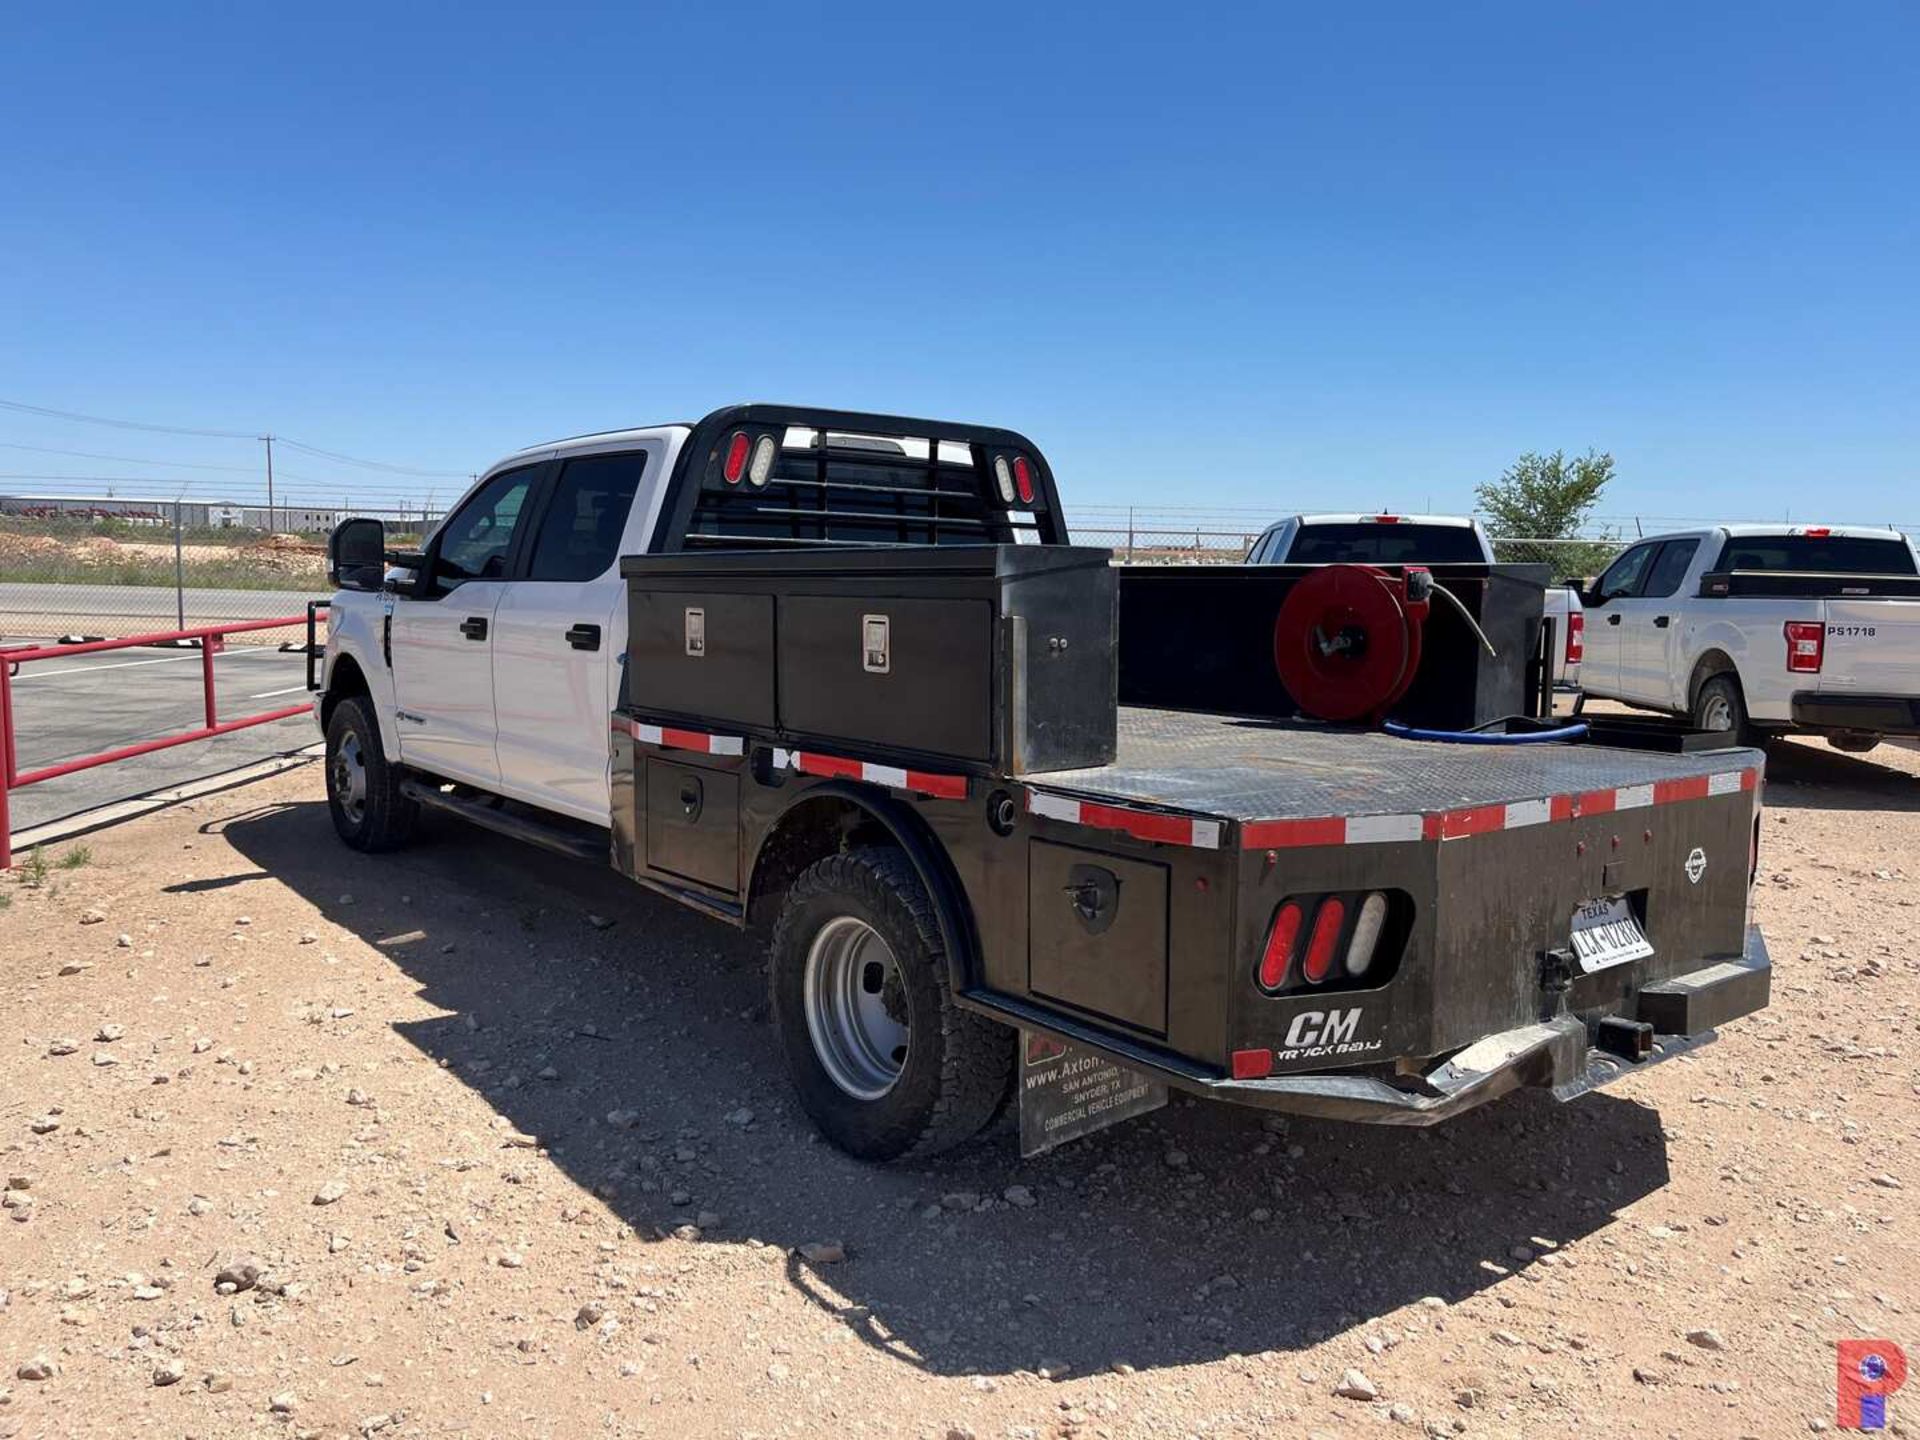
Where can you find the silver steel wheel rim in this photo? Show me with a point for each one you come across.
(1716, 713)
(350, 778)
(856, 1007)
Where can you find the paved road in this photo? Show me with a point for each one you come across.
(84, 704)
(28, 609)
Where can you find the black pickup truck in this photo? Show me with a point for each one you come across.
(1023, 823)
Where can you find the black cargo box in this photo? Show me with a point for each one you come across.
(1200, 637)
(991, 658)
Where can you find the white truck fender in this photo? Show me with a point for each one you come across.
(1699, 638)
(355, 631)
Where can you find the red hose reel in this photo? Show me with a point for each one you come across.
(1347, 639)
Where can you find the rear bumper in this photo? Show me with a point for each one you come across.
(1556, 1055)
(1872, 714)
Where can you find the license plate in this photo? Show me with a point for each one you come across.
(1606, 933)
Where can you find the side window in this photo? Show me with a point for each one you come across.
(580, 532)
(477, 540)
(1623, 576)
(1261, 547)
(1671, 568)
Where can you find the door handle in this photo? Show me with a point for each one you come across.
(584, 637)
(1661, 622)
(1613, 619)
(474, 627)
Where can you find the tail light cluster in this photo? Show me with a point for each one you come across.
(1345, 940)
(1806, 646)
(1576, 636)
(749, 458)
(1014, 476)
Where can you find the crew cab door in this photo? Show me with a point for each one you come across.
(441, 639)
(1650, 621)
(560, 632)
(1606, 619)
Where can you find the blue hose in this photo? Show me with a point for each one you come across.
(1486, 737)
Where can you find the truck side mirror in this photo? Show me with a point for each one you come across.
(357, 554)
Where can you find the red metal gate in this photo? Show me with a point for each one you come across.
(209, 638)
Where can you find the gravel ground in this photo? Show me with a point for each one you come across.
(467, 1141)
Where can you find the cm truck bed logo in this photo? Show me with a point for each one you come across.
(1317, 1033)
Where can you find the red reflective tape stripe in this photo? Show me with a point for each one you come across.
(684, 739)
(1141, 824)
(1478, 820)
(1594, 802)
(830, 765)
(1431, 826)
(1691, 787)
(1749, 779)
(941, 787)
(1282, 834)
(1560, 807)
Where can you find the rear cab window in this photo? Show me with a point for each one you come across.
(1818, 554)
(1372, 543)
(579, 535)
(1671, 568)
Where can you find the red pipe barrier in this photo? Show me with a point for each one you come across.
(209, 636)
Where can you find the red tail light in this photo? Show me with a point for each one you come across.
(1326, 934)
(1576, 637)
(1278, 955)
(736, 465)
(1806, 646)
(1023, 479)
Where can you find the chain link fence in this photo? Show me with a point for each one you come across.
(104, 567)
(108, 566)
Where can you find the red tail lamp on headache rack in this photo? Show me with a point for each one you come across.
(736, 461)
(1023, 479)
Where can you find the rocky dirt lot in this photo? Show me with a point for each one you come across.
(467, 1141)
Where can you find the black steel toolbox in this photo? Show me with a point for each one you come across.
(1200, 637)
(989, 658)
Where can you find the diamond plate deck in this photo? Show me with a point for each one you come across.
(1248, 769)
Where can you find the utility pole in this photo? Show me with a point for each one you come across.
(269, 442)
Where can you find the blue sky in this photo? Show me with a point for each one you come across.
(1257, 257)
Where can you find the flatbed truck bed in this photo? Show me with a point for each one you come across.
(1017, 824)
(1248, 770)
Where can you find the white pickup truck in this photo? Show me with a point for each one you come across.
(1764, 629)
(1416, 540)
(844, 674)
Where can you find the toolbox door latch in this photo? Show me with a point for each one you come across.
(1094, 892)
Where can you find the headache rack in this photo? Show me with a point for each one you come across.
(756, 477)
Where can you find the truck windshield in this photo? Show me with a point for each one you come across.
(1372, 543)
(1818, 554)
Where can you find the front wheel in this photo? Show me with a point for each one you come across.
(363, 786)
(885, 1063)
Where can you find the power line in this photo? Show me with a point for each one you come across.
(131, 459)
(124, 424)
(23, 407)
(371, 464)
